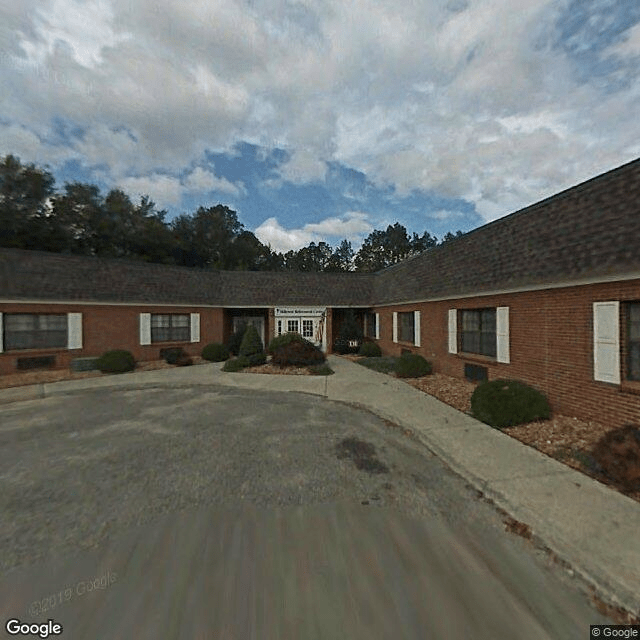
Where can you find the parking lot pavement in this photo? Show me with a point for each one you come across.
(231, 513)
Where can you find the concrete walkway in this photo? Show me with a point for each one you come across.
(591, 527)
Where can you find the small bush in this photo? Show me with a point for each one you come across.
(617, 454)
(385, 364)
(215, 352)
(370, 350)
(236, 339)
(321, 370)
(236, 364)
(117, 361)
(172, 355)
(251, 347)
(295, 351)
(282, 340)
(412, 365)
(184, 360)
(506, 403)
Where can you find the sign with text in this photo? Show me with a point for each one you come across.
(300, 311)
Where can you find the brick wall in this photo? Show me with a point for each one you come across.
(106, 327)
(551, 347)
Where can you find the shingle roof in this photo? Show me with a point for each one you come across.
(39, 275)
(589, 231)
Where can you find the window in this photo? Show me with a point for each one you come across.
(170, 328)
(307, 328)
(370, 325)
(406, 327)
(35, 331)
(279, 329)
(634, 341)
(478, 332)
(293, 326)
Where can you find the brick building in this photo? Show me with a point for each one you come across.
(549, 295)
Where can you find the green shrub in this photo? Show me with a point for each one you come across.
(370, 350)
(236, 339)
(215, 352)
(282, 340)
(384, 364)
(321, 370)
(412, 365)
(236, 364)
(295, 351)
(117, 361)
(506, 403)
(252, 348)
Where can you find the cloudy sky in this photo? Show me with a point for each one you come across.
(324, 119)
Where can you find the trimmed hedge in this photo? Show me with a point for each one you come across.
(173, 355)
(251, 347)
(370, 350)
(236, 364)
(506, 403)
(293, 350)
(412, 365)
(384, 364)
(116, 361)
(215, 352)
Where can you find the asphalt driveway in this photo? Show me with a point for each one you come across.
(228, 513)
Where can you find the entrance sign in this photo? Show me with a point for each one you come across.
(300, 311)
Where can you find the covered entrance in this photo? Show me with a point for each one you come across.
(309, 322)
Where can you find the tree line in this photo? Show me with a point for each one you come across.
(78, 219)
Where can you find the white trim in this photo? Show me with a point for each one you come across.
(453, 331)
(195, 327)
(74, 331)
(377, 326)
(145, 328)
(416, 328)
(502, 334)
(395, 326)
(1, 334)
(606, 341)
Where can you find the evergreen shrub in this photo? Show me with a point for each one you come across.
(236, 364)
(291, 349)
(412, 365)
(370, 350)
(116, 361)
(215, 352)
(252, 348)
(506, 403)
(234, 342)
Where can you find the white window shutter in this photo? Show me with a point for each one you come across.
(453, 331)
(502, 334)
(1, 334)
(195, 327)
(74, 331)
(377, 327)
(606, 341)
(416, 328)
(145, 328)
(395, 326)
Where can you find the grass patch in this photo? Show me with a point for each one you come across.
(384, 364)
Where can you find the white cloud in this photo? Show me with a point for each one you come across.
(162, 189)
(200, 180)
(629, 46)
(85, 28)
(352, 226)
